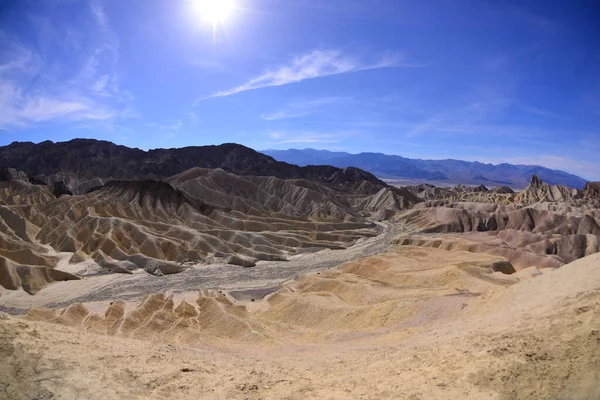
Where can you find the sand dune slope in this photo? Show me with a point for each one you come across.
(473, 337)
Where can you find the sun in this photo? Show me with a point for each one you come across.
(213, 11)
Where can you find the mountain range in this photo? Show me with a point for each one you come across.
(76, 166)
(451, 171)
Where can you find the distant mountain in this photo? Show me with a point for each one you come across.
(452, 171)
(79, 165)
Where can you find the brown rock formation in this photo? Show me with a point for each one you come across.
(592, 190)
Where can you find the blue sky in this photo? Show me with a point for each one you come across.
(493, 81)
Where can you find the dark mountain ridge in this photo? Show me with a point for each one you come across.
(453, 171)
(83, 164)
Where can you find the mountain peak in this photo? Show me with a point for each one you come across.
(536, 181)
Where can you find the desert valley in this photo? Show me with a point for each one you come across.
(219, 272)
(299, 199)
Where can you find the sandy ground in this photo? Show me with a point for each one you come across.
(266, 274)
(537, 339)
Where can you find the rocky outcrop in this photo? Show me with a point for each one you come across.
(30, 278)
(539, 191)
(470, 189)
(592, 190)
(416, 189)
(480, 194)
(11, 174)
(545, 234)
(503, 190)
(536, 192)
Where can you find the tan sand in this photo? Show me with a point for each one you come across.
(472, 336)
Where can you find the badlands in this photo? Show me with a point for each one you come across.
(218, 272)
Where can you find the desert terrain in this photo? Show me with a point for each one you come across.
(242, 277)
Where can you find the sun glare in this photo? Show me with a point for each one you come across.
(213, 11)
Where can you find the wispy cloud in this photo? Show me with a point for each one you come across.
(170, 126)
(20, 58)
(100, 71)
(540, 112)
(302, 108)
(33, 89)
(314, 64)
(472, 119)
(99, 15)
(460, 119)
(474, 113)
(192, 118)
(289, 137)
(285, 114)
(21, 110)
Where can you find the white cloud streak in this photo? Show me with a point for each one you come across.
(285, 137)
(302, 108)
(488, 103)
(22, 110)
(171, 126)
(314, 64)
(287, 114)
(93, 94)
(307, 139)
(100, 72)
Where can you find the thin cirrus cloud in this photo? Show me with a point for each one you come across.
(285, 137)
(306, 139)
(473, 117)
(302, 108)
(314, 64)
(172, 126)
(466, 116)
(93, 94)
(20, 110)
(100, 70)
(286, 114)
